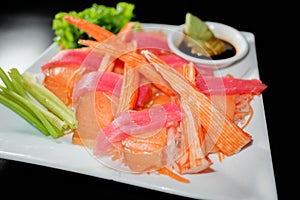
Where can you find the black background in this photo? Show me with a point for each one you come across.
(269, 21)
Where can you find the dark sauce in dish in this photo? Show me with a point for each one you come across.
(229, 52)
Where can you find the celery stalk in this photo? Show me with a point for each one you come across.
(25, 96)
(49, 100)
(23, 113)
(5, 79)
(39, 112)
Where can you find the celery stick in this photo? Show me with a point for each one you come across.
(53, 107)
(6, 80)
(24, 114)
(17, 82)
(35, 103)
(33, 107)
(49, 100)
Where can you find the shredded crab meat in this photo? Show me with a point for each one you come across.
(244, 110)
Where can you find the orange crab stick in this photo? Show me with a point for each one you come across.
(189, 72)
(193, 157)
(95, 31)
(228, 136)
(129, 89)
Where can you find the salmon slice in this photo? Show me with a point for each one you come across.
(59, 81)
(104, 108)
(93, 111)
(61, 71)
(143, 154)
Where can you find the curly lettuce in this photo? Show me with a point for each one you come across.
(110, 18)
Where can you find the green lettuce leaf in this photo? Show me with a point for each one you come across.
(110, 18)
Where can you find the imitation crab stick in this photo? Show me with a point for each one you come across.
(97, 32)
(129, 91)
(110, 63)
(228, 136)
(189, 72)
(194, 153)
(193, 158)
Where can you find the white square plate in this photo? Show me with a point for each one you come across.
(246, 175)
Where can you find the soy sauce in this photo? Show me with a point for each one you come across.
(229, 52)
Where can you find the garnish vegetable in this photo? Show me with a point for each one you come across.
(110, 18)
(200, 38)
(23, 94)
